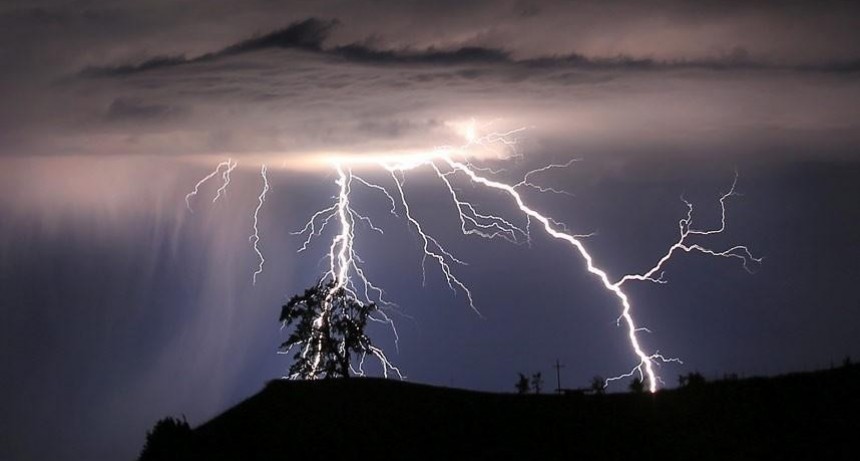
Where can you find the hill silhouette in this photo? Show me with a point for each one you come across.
(796, 416)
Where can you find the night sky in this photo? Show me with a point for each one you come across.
(118, 306)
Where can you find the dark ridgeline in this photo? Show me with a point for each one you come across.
(796, 416)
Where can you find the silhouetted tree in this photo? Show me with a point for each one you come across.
(598, 385)
(694, 379)
(537, 382)
(329, 329)
(170, 438)
(637, 386)
(522, 384)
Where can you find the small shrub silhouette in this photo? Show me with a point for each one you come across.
(537, 382)
(598, 385)
(170, 438)
(637, 386)
(522, 384)
(691, 380)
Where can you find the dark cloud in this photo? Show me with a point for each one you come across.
(305, 35)
(311, 34)
(464, 55)
(157, 62)
(301, 87)
(308, 34)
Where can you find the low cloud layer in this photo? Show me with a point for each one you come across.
(128, 79)
(311, 34)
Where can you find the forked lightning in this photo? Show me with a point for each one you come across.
(450, 164)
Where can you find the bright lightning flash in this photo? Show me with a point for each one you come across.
(255, 237)
(229, 165)
(448, 163)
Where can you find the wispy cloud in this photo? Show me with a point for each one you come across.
(311, 34)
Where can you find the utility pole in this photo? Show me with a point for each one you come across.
(558, 368)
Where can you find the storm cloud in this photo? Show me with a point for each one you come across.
(309, 78)
(311, 34)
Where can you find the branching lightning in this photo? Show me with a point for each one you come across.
(222, 191)
(450, 164)
(228, 165)
(344, 262)
(255, 237)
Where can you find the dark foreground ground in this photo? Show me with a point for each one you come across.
(798, 416)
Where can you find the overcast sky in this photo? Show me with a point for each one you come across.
(118, 306)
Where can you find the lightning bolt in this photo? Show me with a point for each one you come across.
(222, 191)
(526, 182)
(448, 163)
(483, 225)
(646, 360)
(255, 237)
(686, 230)
(345, 268)
(228, 164)
(431, 247)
